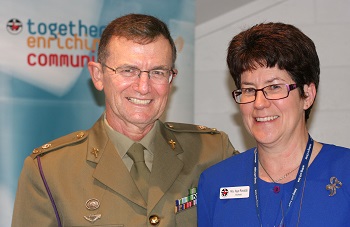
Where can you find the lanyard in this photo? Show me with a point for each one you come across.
(297, 184)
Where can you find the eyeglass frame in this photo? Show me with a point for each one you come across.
(290, 87)
(172, 73)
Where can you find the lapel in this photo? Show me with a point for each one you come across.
(166, 165)
(110, 169)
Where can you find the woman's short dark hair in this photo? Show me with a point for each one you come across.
(275, 44)
(140, 28)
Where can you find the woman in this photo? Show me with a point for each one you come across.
(288, 179)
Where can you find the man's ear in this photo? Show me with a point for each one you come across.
(96, 74)
(310, 93)
(174, 75)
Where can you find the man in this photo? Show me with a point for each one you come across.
(89, 177)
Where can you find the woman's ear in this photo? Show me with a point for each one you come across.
(96, 74)
(310, 93)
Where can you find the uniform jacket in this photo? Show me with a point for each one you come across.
(85, 166)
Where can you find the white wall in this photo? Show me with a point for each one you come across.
(326, 22)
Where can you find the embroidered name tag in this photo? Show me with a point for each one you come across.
(234, 192)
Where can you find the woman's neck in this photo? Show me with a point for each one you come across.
(280, 163)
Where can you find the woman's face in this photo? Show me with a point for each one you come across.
(271, 121)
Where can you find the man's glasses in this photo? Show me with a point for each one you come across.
(271, 92)
(156, 76)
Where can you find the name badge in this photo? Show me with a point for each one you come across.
(234, 192)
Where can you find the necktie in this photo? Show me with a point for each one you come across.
(139, 171)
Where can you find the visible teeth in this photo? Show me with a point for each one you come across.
(266, 118)
(139, 101)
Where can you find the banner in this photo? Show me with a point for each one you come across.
(46, 91)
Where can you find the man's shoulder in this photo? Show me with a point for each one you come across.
(71, 139)
(199, 138)
(189, 128)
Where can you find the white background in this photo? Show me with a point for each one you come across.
(326, 22)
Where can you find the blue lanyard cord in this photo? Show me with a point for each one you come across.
(297, 184)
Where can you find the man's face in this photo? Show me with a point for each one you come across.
(137, 102)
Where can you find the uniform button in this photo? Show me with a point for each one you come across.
(154, 220)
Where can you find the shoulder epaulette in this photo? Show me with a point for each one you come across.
(70, 139)
(182, 127)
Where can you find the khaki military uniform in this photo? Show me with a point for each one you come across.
(91, 186)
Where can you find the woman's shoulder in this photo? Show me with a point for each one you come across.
(236, 170)
(237, 162)
(335, 150)
(332, 161)
(334, 155)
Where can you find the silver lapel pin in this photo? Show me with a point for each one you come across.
(92, 204)
(334, 184)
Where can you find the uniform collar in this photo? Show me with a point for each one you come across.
(122, 143)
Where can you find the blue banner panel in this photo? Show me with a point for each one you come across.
(45, 87)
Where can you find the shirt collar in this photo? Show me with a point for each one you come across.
(122, 143)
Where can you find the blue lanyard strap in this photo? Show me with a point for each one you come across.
(297, 184)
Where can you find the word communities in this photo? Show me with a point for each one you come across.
(60, 60)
